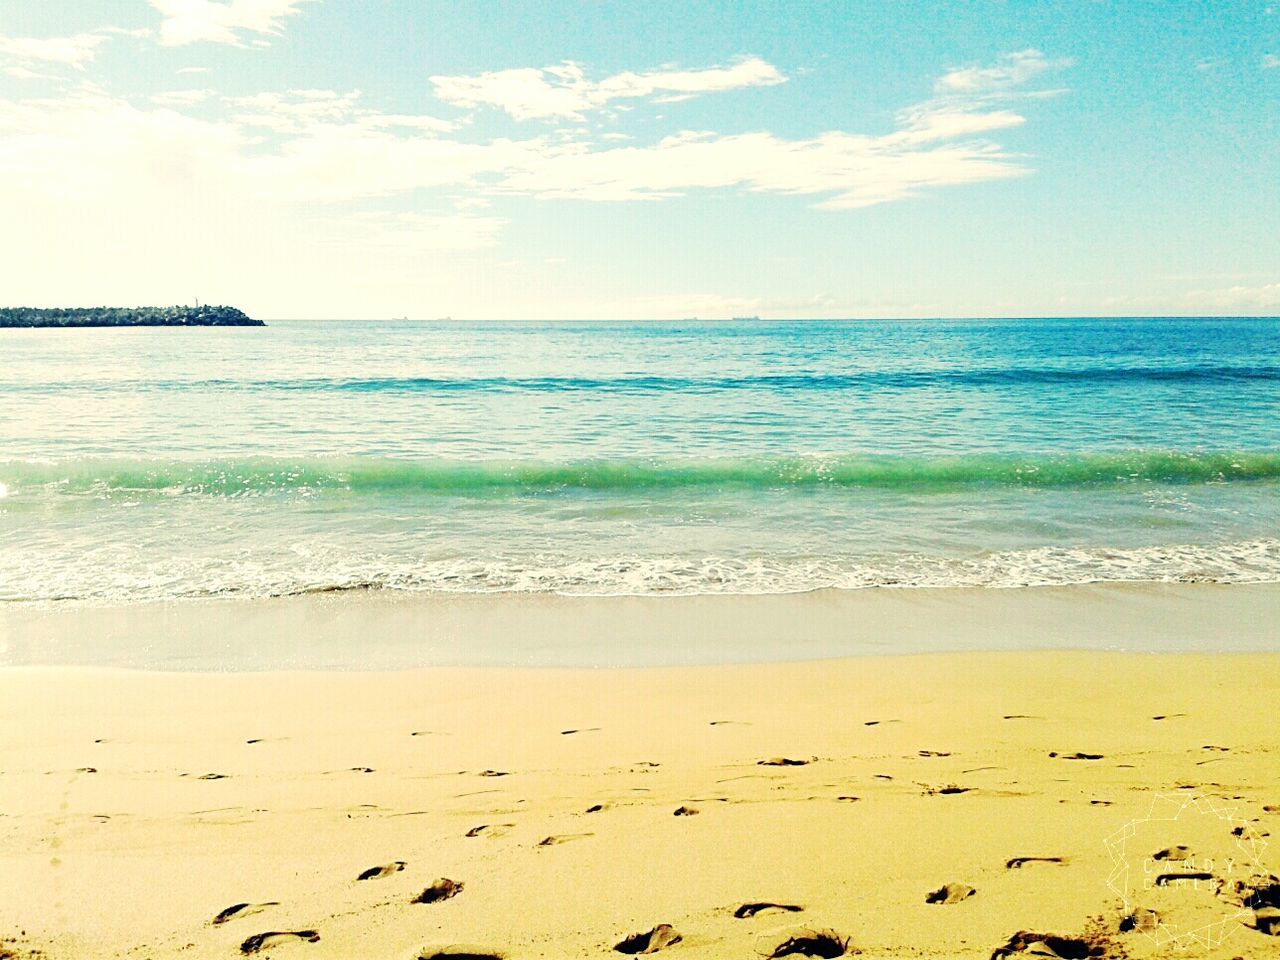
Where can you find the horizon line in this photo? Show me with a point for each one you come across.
(756, 319)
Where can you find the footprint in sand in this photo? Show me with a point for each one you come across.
(1141, 920)
(663, 935)
(1179, 852)
(558, 839)
(463, 953)
(490, 829)
(686, 812)
(826, 943)
(950, 789)
(751, 909)
(781, 762)
(385, 870)
(934, 753)
(595, 808)
(1017, 863)
(1026, 943)
(1190, 876)
(442, 889)
(567, 733)
(1075, 756)
(493, 773)
(1266, 920)
(261, 941)
(238, 910)
(1264, 900)
(950, 893)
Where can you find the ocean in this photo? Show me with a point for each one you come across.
(636, 458)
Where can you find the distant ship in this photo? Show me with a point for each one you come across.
(746, 318)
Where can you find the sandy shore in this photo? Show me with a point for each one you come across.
(135, 807)
(392, 630)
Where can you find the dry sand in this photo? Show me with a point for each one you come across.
(574, 808)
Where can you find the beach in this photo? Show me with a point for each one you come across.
(550, 480)
(575, 806)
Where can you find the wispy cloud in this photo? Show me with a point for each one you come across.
(1264, 298)
(327, 176)
(74, 51)
(221, 21)
(181, 98)
(326, 146)
(848, 170)
(1011, 70)
(563, 91)
(936, 143)
(299, 111)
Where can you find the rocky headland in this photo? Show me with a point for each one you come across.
(176, 316)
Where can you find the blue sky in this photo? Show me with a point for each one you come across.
(333, 158)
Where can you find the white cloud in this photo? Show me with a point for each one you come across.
(850, 169)
(293, 110)
(221, 21)
(23, 73)
(290, 190)
(418, 232)
(74, 51)
(1257, 299)
(181, 98)
(155, 206)
(1270, 61)
(563, 91)
(325, 146)
(296, 111)
(1012, 70)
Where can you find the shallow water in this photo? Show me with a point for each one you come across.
(747, 457)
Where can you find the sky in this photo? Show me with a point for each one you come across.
(595, 160)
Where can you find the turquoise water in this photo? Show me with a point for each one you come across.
(636, 457)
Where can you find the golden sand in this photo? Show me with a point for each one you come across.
(556, 813)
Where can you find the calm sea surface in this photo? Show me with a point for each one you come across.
(626, 458)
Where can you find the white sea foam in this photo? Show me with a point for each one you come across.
(118, 574)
